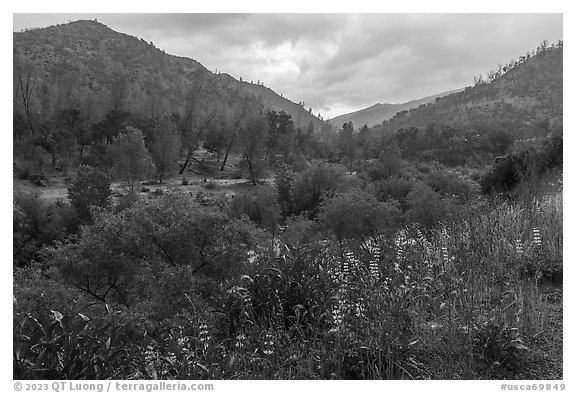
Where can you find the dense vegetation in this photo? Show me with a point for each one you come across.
(430, 252)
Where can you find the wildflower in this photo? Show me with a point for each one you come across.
(400, 243)
(345, 266)
(445, 256)
(359, 309)
(337, 314)
(518, 246)
(252, 256)
(240, 341)
(268, 345)
(204, 335)
(373, 269)
(536, 236)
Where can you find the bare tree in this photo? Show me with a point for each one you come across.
(198, 114)
(25, 79)
(238, 116)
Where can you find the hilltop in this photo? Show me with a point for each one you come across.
(378, 113)
(523, 98)
(88, 59)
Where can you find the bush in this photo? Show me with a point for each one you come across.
(396, 189)
(90, 189)
(261, 207)
(211, 185)
(312, 184)
(508, 171)
(357, 214)
(37, 225)
(426, 206)
(448, 184)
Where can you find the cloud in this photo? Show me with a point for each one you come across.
(339, 62)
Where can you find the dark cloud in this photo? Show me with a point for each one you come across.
(338, 62)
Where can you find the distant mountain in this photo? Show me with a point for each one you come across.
(378, 113)
(86, 63)
(524, 99)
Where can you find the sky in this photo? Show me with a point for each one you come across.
(337, 63)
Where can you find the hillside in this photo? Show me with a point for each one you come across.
(85, 61)
(524, 99)
(378, 113)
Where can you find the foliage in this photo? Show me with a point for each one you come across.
(357, 214)
(261, 207)
(165, 149)
(131, 160)
(312, 184)
(36, 225)
(91, 188)
(253, 144)
(508, 171)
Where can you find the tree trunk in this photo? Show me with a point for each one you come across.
(228, 149)
(188, 156)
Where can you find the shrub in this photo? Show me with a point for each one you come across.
(261, 207)
(91, 188)
(396, 189)
(448, 184)
(357, 214)
(312, 184)
(426, 206)
(211, 185)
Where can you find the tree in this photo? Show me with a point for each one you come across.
(426, 206)
(91, 188)
(113, 258)
(347, 144)
(282, 133)
(313, 184)
(357, 214)
(25, 79)
(165, 148)
(238, 115)
(216, 139)
(253, 145)
(131, 161)
(283, 180)
(110, 127)
(72, 120)
(198, 114)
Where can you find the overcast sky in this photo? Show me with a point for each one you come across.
(338, 63)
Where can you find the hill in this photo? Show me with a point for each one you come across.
(378, 113)
(523, 98)
(87, 63)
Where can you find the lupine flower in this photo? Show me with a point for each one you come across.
(359, 309)
(518, 246)
(337, 314)
(445, 256)
(345, 267)
(373, 269)
(268, 345)
(400, 242)
(204, 335)
(536, 235)
(240, 341)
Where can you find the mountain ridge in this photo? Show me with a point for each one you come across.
(379, 112)
(99, 59)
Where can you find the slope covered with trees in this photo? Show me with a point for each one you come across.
(523, 97)
(87, 62)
